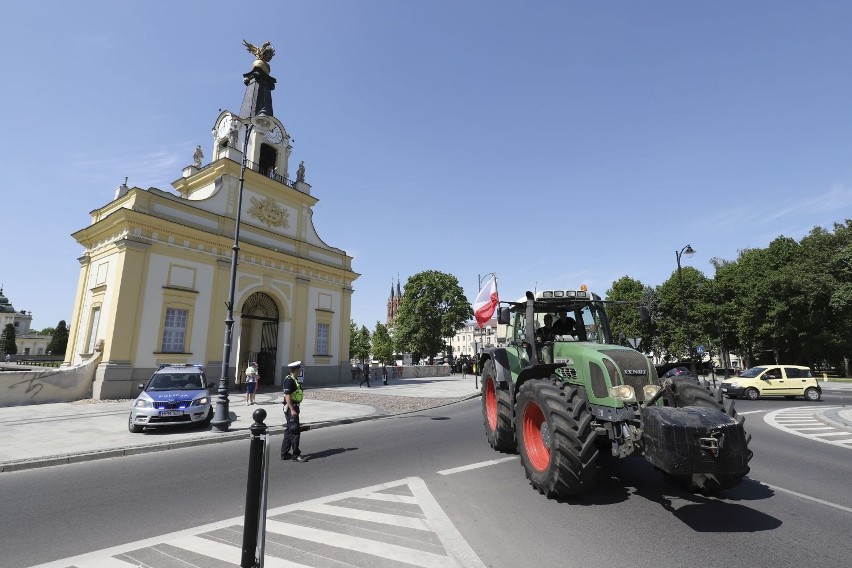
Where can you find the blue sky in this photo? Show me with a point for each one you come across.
(554, 143)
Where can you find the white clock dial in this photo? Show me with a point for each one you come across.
(224, 127)
(276, 135)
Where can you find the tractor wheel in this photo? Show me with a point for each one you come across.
(555, 437)
(497, 411)
(689, 394)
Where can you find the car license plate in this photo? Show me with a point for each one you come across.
(171, 413)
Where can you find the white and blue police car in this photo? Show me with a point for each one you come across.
(174, 395)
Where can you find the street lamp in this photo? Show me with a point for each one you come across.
(688, 251)
(222, 417)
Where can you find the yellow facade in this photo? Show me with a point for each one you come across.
(155, 274)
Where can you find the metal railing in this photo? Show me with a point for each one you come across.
(270, 173)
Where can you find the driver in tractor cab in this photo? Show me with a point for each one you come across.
(565, 325)
(544, 337)
(546, 333)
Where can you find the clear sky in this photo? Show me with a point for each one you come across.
(555, 143)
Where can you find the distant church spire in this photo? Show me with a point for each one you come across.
(394, 300)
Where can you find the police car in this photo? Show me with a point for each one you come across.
(174, 395)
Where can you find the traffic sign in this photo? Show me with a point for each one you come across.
(700, 350)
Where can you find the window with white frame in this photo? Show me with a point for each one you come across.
(94, 321)
(322, 339)
(174, 330)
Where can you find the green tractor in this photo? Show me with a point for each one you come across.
(561, 395)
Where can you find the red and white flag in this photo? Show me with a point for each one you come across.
(486, 302)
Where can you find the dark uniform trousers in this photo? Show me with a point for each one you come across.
(292, 433)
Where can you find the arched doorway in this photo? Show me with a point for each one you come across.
(259, 335)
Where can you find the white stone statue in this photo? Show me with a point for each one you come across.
(197, 157)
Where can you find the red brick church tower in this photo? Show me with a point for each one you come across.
(393, 303)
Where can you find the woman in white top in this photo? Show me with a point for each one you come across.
(251, 382)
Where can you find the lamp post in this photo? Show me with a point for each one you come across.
(221, 416)
(688, 251)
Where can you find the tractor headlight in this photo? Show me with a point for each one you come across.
(624, 393)
(650, 391)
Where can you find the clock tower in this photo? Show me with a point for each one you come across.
(267, 151)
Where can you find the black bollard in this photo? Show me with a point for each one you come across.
(254, 493)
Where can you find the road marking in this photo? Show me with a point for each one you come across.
(809, 498)
(800, 422)
(750, 412)
(385, 524)
(475, 466)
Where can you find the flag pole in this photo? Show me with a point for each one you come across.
(480, 346)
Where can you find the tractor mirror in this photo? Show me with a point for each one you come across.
(503, 315)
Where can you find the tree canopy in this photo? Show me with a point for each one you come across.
(433, 307)
(382, 345)
(8, 340)
(59, 341)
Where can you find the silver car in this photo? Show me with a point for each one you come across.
(174, 395)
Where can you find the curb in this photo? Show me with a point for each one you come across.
(832, 418)
(63, 459)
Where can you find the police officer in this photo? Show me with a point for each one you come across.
(292, 399)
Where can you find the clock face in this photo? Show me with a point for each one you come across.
(276, 135)
(224, 127)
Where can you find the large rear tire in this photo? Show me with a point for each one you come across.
(556, 440)
(694, 394)
(497, 411)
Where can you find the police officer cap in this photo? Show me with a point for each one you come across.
(295, 364)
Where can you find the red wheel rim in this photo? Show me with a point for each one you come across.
(491, 403)
(537, 452)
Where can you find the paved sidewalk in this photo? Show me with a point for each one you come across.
(52, 434)
(43, 435)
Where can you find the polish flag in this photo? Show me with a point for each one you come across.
(486, 302)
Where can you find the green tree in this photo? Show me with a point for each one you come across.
(382, 344)
(47, 331)
(433, 307)
(624, 317)
(361, 346)
(59, 341)
(353, 338)
(674, 332)
(8, 340)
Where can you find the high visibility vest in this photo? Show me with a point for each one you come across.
(296, 396)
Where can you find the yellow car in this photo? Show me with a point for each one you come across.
(788, 381)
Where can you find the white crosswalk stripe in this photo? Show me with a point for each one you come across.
(388, 525)
(801, 422)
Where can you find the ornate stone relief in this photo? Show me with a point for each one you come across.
(269, 212)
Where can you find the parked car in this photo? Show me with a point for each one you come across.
(788, 381)
(175, 395)
(679, 373)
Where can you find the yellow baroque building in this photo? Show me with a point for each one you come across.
(155, 273)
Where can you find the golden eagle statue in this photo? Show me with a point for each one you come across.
(265, 52)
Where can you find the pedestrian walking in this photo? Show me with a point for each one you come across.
(385, 374)
(251, 383)
(366, 378)
(292, 429)
(8, 357)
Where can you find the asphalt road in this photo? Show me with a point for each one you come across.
(793, 510)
